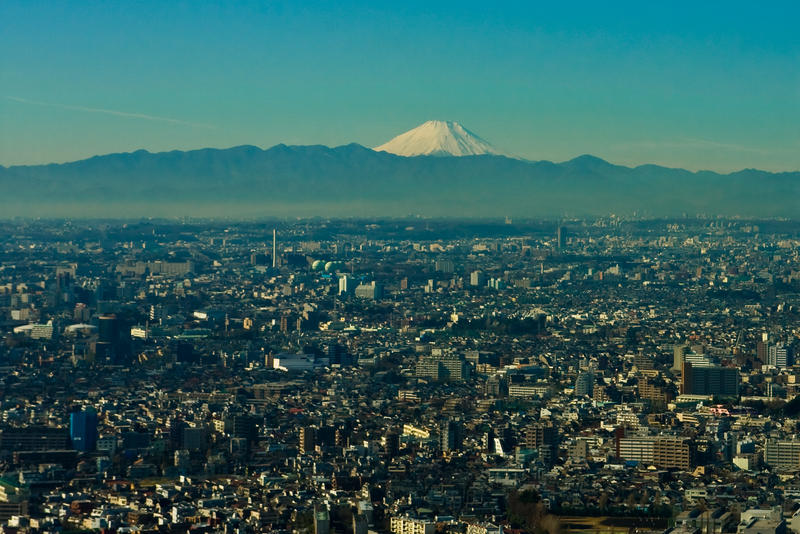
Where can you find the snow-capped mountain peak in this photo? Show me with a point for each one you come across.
(438, 138)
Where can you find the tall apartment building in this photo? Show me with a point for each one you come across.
(584, 384)
(664, 452)
(445, 266)
(678, 352)
(308, 439)
(649, 390)
(451, 435)
(477, 279)
(643, 362)
(445, 367)
(543, 437)
(782, 454)
(709, 379)
(762, 351)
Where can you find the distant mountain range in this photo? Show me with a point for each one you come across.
(352, 180)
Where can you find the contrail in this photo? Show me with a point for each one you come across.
(110, 112)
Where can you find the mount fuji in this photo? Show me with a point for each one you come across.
(419, 172)
(439, 138)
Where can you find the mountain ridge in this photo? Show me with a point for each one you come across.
(365, 148)
(355, 180)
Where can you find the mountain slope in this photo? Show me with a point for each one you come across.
(353, 180)
(438, 138)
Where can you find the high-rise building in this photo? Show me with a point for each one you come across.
(561, 237)
(782, 454)
(308, 439)
(543, 437)
(451, 435)
(584, 384)
(664, 452)
(347, 284)
(372, 291)
(322, 519)
(337, 354)
(762, 351)
(655, 392)
(259, 258)
(780, 356)
(391, 444)
(113, 340)
(325, 436)
(643, 362)
(495, 386)
(243, 426)
(477, 279)
(194, 438)
(709, 379)
(445, 266)
(83, 429)
(678, 353)
(445, 367)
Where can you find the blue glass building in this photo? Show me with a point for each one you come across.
(83, 429)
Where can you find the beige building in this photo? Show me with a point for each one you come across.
(410, 525)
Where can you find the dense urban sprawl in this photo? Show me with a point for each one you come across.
(411, 376)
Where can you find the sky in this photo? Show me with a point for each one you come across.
(700, 85)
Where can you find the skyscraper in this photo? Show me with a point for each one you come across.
(83, 429)
(114, 339)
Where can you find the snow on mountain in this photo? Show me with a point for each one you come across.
(438, 138)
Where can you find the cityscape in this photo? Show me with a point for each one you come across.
(405, 376)
(399, 268)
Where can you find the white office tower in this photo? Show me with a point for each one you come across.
(347, 284)
(780, 356)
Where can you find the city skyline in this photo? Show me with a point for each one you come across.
(699, 87)
(418, 268)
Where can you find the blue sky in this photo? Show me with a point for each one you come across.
(712, 85)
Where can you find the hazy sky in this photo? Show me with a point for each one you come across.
(711, 85)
